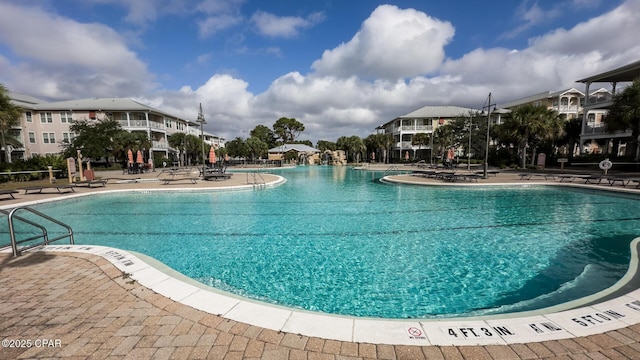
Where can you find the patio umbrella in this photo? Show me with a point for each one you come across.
(139, 158)
(451, 154)
(406, 155)
(373, 156)
(130, 156)
(212, 156)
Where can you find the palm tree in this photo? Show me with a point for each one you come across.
(624, 114)
(9, 118)
(527, 126)
(421, 139)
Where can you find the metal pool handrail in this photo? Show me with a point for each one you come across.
(46, 240)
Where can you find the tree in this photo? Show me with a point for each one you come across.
(256, 147)
(9, 118)
(421, 139)
(124, 141)
(527, 126)
(324, 145)
(571, 135)
(353, 146)
(264, 134)
(379, 142)
(624, 114)
(95, 139)
(177, 141)
(287, 129)
(237, 147)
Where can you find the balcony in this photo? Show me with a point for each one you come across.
(141, 124)
(567, 108)
(160, 145)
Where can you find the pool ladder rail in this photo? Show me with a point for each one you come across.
(11, 216)
(391, 169)
(258, 184)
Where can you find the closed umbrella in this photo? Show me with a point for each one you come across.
(451, 154)
(130, 156)
(212, 156)
(406, 155)
(139, 158)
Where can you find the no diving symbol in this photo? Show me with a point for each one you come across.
(414, 332)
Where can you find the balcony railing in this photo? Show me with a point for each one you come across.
(141, 124)
(599, 99)
(416, 128)
(568, 108)
(160, 145)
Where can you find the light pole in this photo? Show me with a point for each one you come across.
(202, 122)
(469, 148)
(486, 150)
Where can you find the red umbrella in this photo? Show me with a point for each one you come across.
(451, 154)
(212, 156)
(406, 155)
(139, 158)
(130, 156)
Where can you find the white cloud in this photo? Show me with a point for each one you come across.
(213, 24)
(284, 26)
(79, 58)
(353, 88)
(391, 44)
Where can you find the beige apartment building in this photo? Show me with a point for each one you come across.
(45, 125)
(424, 120)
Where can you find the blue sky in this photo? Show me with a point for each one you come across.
(340, 67)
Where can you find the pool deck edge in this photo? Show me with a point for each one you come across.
(597, 318)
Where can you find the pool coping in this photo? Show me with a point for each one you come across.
(583, 317)
(505, 329)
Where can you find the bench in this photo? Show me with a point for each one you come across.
(8, 192)
(38, 189)
(193, 180)
(92, 183)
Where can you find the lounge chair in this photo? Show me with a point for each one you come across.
(92, 183)
(38, 189)
(594, 179)
(8, 192)
(193, 180)
(216, 174)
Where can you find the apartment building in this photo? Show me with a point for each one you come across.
(424, 120)
(595, 136)
(45, 125)
(568, 103)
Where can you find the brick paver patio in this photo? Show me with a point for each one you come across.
(76, 305)
(73, 305)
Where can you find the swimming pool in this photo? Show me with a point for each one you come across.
(335, 240)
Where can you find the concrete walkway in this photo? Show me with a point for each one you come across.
(76, 305)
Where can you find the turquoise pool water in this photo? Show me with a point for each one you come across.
(336, 240)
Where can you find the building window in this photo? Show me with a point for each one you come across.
(46, 117)
(32, 137)
(49, 138)
(28, 115)
(66, 117)
(67, 138)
